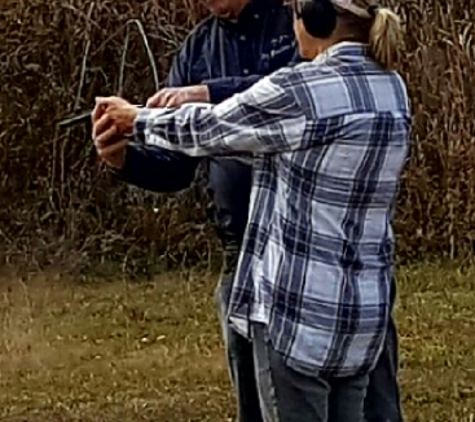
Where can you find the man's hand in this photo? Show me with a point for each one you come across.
(175, 97)
(112, 119)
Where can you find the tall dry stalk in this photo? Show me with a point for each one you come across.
(58, 206)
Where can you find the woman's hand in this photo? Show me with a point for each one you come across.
(113, 112)
(113, 119)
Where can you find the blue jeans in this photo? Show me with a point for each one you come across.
(382, 402)
(289, 396)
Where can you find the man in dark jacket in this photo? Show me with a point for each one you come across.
(241, 42)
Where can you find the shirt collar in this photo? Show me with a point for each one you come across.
(350, 49)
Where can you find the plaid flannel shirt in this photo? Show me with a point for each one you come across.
(329, 140)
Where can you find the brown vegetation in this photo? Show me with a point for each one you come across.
(56, 201)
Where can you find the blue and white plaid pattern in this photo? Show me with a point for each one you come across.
(329, 140)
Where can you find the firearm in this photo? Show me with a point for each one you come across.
(79, 119)
(86, 117)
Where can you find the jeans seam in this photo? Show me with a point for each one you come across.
(273, 402)
(272, 389)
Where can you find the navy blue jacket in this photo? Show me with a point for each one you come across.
(228, 57)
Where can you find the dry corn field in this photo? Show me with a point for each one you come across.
(57, 55)
(150, 349)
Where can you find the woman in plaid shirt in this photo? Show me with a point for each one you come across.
(328, 140)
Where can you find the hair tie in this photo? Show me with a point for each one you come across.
(372, 10)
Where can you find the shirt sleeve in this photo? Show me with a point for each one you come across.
(157, 169)
(264, 119)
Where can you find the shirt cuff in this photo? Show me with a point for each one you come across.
(141, 123)
(217, 91)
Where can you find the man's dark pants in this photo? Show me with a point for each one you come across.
(239, 350)
(382, 403)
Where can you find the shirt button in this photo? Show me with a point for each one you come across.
(246, 71)
(242, 38)
(256, 16)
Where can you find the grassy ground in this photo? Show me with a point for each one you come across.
(118, 351)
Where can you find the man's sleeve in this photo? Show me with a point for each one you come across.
(157, 169)
(221, 89)
(179, 74)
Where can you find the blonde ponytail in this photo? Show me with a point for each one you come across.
(386, 38)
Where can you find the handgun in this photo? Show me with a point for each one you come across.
(76, 120)
(80, 119)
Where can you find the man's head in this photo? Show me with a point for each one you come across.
(318, 24)
(226, 9)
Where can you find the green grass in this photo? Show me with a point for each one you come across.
(152, 351)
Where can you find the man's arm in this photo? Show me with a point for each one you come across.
(156, 169)
(221, 89)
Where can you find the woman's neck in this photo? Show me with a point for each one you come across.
(318, 47)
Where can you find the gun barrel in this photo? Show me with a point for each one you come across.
(76, 120)
(80, 119)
